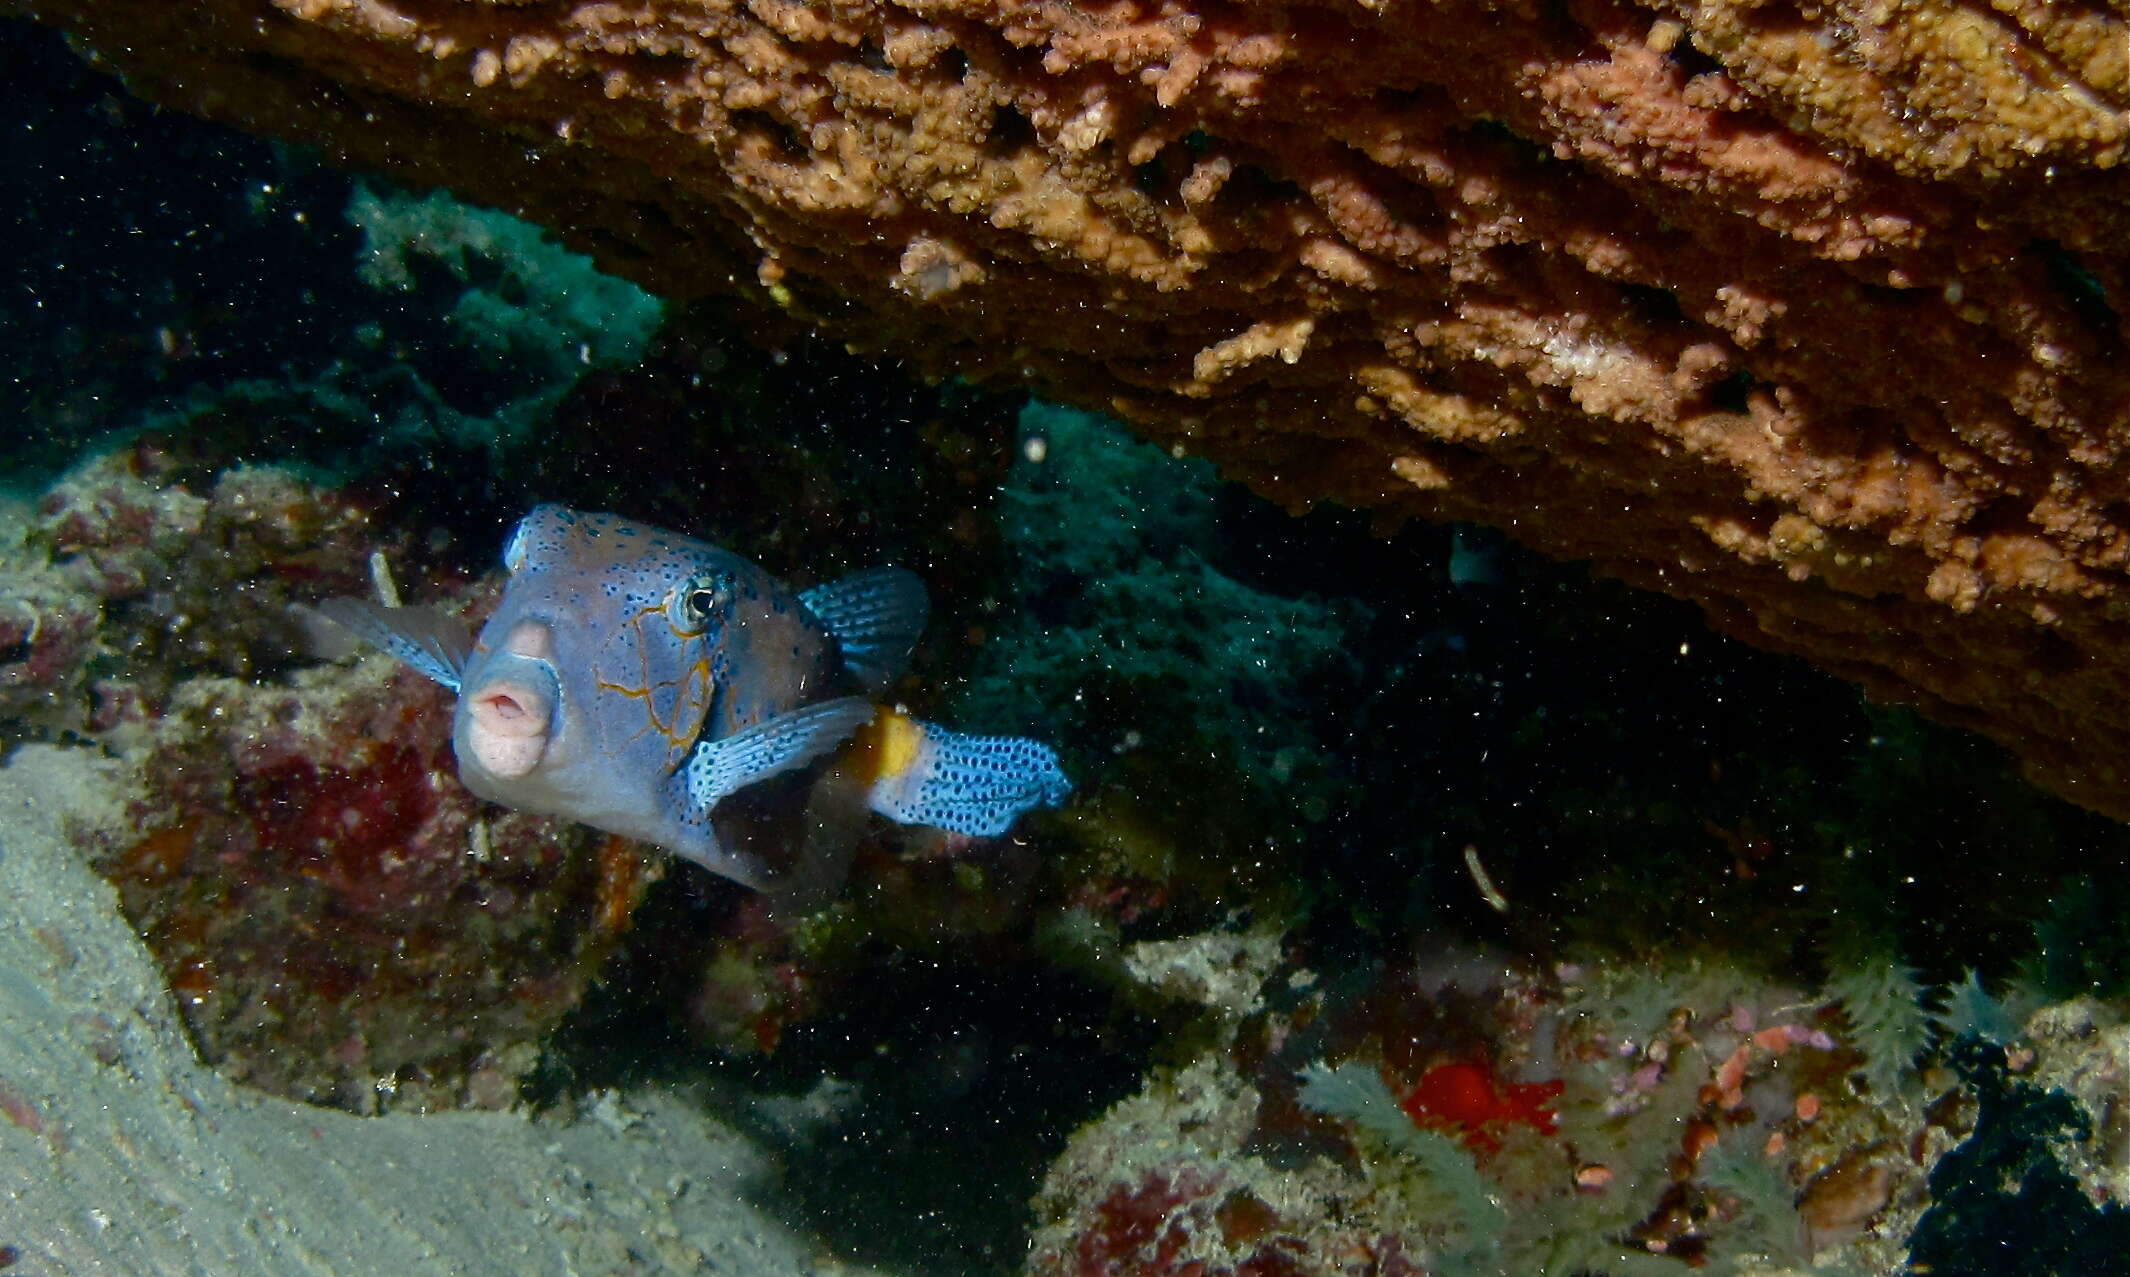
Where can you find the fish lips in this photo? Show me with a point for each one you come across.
(507, 720)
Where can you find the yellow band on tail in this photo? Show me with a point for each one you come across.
(885, 747)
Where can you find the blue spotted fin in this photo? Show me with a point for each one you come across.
(976, 785)
(430, 641)
(770, 748)
(875, 617)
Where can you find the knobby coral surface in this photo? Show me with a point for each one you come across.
(1806, 311)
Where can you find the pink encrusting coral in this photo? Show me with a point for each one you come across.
(46, 639)
(1186, 1222)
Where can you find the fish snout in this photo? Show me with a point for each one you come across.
(508, 718)
(507, 728)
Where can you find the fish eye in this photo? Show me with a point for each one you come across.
(698, 601)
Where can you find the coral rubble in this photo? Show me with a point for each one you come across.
(1810, 314)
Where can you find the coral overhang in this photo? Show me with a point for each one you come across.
(1810, 313)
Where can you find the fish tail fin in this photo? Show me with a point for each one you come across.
(923, 774)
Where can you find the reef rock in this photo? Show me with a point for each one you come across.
(1808, 313)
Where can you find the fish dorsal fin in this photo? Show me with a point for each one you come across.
(876, 617)
(425, 639)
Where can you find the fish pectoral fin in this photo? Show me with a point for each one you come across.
(427, 640)
(876, 617)
(770, 748)
(977, 785)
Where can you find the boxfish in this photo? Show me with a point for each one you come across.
(646, 684)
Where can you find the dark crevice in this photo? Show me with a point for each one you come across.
(1656, 307)
(789, 145)
(1691, 61)
(2082, 289)
(1011, 131)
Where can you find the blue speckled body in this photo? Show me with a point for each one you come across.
(640, 682)
(635, 680)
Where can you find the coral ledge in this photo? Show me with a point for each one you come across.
(1809, 312)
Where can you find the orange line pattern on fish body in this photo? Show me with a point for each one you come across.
(680, 738)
